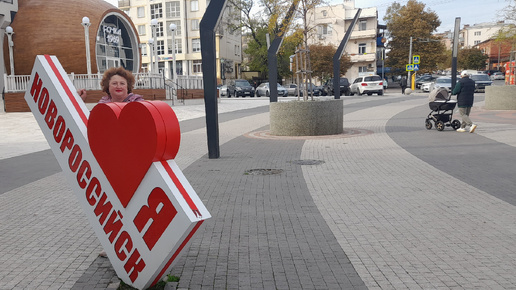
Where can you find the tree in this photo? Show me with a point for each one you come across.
(471, 58)
(413, 20)
(321, 58)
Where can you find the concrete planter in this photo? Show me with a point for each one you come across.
(500, 98)
(307, 118)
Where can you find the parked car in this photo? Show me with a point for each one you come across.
(441, 82)
(223, 90)
(311, 88)
(292, 90)
(425, 87)
(240, 88)
(423, 79)
(481, 82)
(497, 76)
(367, 85)
(327, 88)
(264, 90)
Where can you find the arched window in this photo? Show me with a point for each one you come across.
(116, 44)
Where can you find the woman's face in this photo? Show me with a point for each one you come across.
(118, 88)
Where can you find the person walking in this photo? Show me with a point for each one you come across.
(403, 84)
(465, 89)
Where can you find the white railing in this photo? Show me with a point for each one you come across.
(19, 83)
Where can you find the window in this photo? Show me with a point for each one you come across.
(141, 30)
(196, 45)
(194, 5)
(476, 42)
(362, 69)
(160, 47)
(361, 48)
(478, 33)
(141, 12)
(197, 66)
(324, 29)
(324, 13)
(362, 25)
(178, 44)
(159, 29)
(178, 26)
(156, 11)
(173, 9)
(144, 50)
(195, 24)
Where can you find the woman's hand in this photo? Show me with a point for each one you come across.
(82, 94)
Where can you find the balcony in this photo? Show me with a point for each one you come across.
(124, 3)
(366, 57)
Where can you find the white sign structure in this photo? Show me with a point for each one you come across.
(140, 205)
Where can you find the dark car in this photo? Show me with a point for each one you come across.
(424, 79)
(481, 82)
(344, 87)
(240, 88)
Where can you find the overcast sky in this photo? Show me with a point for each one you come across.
(470, 11)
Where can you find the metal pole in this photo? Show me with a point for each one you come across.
(455, 50)
(173, 28)
(409, 60)
(209, 68)
(9, 31)
(154, 24)
(86, 23)
(338, 55)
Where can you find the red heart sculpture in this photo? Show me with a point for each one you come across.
(126, 138)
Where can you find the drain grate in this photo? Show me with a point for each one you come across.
(308, 162)
(263, 171)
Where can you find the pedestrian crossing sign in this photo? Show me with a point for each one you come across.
(416, 67)
(416, 59)
(409, 67)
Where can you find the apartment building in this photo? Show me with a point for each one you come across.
(331, 24)
(472, 35)
(186, 15)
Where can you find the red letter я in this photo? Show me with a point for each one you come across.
(161, 216)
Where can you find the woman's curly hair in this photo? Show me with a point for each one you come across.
(117, 71)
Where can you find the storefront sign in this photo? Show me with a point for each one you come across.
(119, 161)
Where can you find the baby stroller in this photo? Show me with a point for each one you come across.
(442, 110)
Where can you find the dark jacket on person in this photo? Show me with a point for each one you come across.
(464, 89)
(403, 82)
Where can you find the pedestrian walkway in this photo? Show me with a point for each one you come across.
(354, 211)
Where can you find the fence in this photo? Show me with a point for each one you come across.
(19, 83)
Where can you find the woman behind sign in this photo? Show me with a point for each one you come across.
(118, 83)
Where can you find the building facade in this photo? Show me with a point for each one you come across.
(186, 15)
(472, 35)
(331, 24)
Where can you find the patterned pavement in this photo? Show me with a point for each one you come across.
(389, 205)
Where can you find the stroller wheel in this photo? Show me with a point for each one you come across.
(439, 125)
(455, 124)
(428, 124)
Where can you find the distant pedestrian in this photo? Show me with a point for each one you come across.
(403, 84)
(465, 89)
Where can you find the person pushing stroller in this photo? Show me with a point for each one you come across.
(465, 89)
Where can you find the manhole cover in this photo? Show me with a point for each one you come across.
(308, 162)
(263, 171)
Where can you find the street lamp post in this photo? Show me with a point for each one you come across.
(9, 31)
(86, 23)
(154, 25)
(173, 28)
(151, 48)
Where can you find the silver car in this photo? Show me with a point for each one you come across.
(441, 82)
(264, 90)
